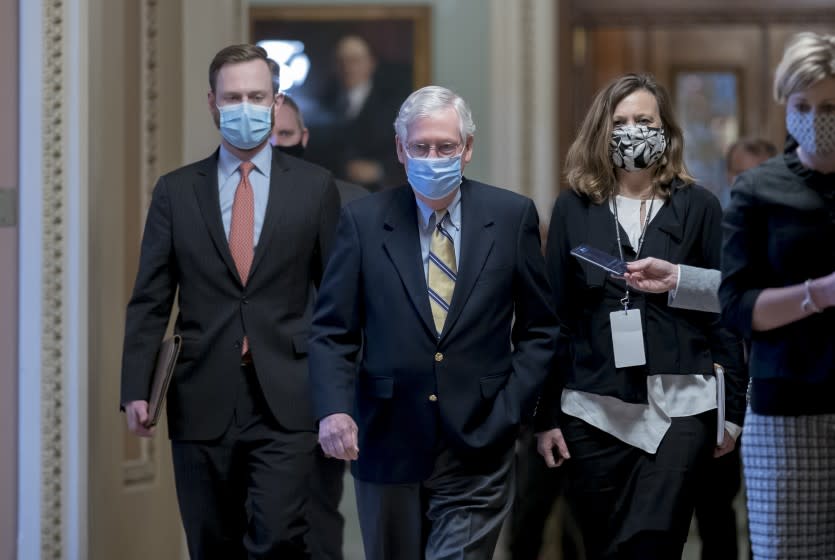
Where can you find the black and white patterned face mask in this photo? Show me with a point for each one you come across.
(814, 132)
(635, 147)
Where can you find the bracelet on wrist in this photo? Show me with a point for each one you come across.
(808, 304)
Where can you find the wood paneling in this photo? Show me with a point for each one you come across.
(736, 48)
(686, 12)
(607, 39)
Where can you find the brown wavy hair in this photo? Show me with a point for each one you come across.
(589, 168)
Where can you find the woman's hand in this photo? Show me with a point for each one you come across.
(728, 445)
(551, 446)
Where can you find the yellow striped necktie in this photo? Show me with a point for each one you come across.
(442, 273)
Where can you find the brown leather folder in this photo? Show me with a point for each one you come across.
(169, 350)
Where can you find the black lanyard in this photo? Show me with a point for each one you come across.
(625, 300)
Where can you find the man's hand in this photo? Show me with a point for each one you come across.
(136, 413)
(338, 437)
(652, 275)
(728, 445)
(551, 446)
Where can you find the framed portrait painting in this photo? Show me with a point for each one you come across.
(348, 69)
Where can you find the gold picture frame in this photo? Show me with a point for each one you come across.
(324, 53)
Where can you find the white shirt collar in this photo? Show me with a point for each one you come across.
(454, 209)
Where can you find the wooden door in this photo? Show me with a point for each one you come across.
(134, 88)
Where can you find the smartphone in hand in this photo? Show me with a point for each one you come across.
(610, 263)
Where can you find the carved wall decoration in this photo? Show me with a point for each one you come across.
(52, 288)
(144, 468)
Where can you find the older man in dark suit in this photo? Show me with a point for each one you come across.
(242, 237)
(442, 283)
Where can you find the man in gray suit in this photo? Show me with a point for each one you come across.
(689, 287)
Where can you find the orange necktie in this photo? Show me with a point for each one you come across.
(242, 230)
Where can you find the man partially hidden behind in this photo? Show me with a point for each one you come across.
(327, 481)
(746, 153)
(291, 136)
(441, 284)
(242, 238)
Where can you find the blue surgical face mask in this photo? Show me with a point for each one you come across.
(245, 125)
(434, 178)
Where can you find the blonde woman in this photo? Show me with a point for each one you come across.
(778, 289)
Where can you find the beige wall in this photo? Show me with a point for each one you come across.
(205, 31)
(8, 282)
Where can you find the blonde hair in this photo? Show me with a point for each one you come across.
(808, 59)
(589, 167)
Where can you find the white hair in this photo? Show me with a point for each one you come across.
(428, 101)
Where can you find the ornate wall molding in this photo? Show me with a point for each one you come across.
(527, 78)
(144, 469)
(52, 278)
(150, 101)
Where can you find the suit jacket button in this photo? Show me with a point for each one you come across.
(433, 398)
(439, 357)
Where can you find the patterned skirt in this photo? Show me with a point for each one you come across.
(789, 465)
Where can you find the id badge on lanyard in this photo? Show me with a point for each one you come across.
(627, 337)
(627, 328)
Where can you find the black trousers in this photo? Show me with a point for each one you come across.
(715, 513)
(538, 490)
(243, 495)
(324, 540)
(630, 504)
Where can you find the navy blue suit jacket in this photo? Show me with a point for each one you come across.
(470, 388)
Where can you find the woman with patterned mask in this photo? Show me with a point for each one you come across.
(632, 412)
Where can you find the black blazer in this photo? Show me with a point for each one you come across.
(780, 231)
(469, 389)
(184, 248)
(686, 230)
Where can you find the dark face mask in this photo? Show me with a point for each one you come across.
(296, 150)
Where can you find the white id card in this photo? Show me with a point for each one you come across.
(627, 338)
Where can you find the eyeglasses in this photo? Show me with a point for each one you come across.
(446, 150)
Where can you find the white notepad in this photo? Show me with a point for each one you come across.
(719, 371)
